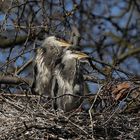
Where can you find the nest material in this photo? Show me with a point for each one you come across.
(23, 117)
(118, 96)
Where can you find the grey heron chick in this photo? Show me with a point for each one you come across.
(68, 82)
(44, 63)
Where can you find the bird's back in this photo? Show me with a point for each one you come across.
(42, 72)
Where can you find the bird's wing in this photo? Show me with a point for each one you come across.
(33, 85)
(54, 92)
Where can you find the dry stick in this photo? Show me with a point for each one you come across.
(16, 105)
(111, 116)
(19, 95)
(91, 119)
(13, 80)
(76, 125)
(93, 79)
(79, 96)
(20, 108)
(38, 96)
(5, 19)
(51, 136)
(129, 103)
(105, 110)
(113, 67)
(13, 59)
(119, 107)
(24, 66)
(39, 127)
(54, 115)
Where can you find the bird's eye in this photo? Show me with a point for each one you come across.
(58, 38)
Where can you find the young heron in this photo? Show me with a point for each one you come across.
(45, 60)
(68, 82)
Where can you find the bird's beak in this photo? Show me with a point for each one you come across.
(63, 43)
(80, 55)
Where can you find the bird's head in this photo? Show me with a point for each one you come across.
(75, 55)
(54, 41)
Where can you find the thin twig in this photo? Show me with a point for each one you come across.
(90, 110)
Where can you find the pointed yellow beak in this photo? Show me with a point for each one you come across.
(80, 55)
(63, 43)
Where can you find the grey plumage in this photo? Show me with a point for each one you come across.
(58, 72)
(45, 61)
(68, 79)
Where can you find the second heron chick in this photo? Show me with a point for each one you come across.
(68, 82)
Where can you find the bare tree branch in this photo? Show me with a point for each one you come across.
(129, 53)
(13, 80)
(8, 43)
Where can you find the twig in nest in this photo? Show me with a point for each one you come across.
(91, 119)
(20, 108)
(76, 125)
